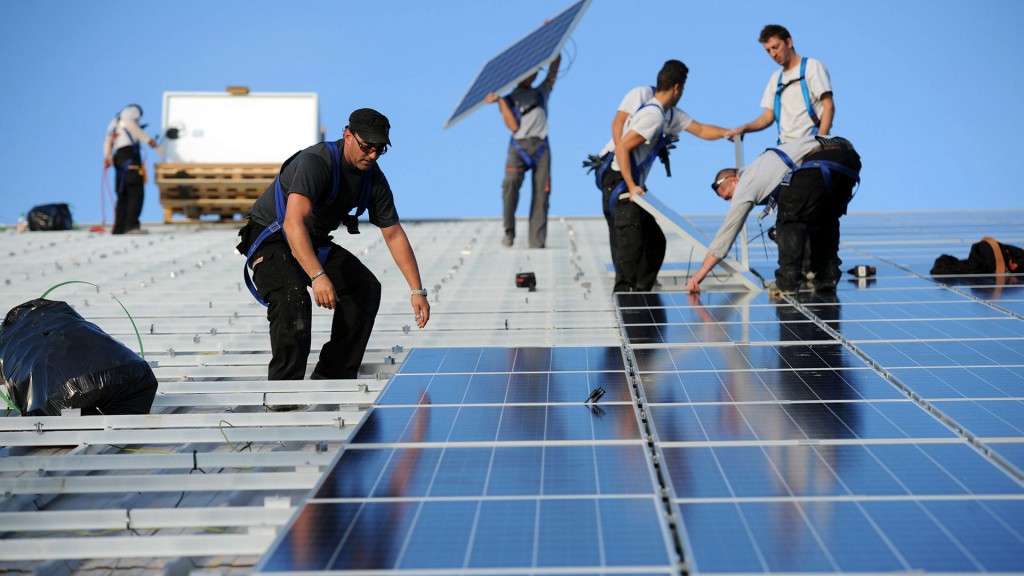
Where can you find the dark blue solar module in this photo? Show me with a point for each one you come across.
(519, 60)
(581, 535)
(887, 536)
(788, 453)
(835, 470)
(478, 459)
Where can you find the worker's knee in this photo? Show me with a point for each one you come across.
(513, 180)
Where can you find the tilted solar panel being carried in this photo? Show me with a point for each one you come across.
(519, 60)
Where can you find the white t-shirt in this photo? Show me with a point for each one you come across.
(124, 129)
(631, 102)
(649, 122)
(636, 98)
(794, 121)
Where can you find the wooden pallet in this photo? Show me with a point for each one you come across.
(190, 191)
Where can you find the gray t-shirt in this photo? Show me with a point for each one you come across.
(309, 174)
(756, 183)
(532, 104)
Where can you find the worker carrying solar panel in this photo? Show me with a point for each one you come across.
(811, 180)
(525, 112)
(289, 248)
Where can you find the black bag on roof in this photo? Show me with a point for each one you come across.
(50, 217)
(51, 358)
(982, 259)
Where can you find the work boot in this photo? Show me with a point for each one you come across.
(507, 240)
(776, 293)
(825, 286)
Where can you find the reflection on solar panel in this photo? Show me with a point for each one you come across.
(481, 459)
(519, 60)
(878, 429)
(873, 430)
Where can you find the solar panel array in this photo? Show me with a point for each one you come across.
(520, 60)
(481, 459)
(877, 429)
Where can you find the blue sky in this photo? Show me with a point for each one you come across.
(930, 91)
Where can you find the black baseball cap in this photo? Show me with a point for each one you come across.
(370, 125)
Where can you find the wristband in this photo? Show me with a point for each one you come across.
(317, 275)
(418, 292)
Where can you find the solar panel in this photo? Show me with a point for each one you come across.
(846, 433)
(479, 459)
(520, 60)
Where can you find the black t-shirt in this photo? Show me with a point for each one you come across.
(309, 174)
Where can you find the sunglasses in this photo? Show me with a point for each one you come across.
(718, 183)
(370, 149)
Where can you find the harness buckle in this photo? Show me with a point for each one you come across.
(769, 207)
(352, 224)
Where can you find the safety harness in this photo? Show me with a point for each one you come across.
(518, 112)
(807, 99)
(664, 141)
(826, 167)
(122, 169)
(280, 203)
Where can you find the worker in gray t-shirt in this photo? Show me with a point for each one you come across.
(525, 112)
(812, 180)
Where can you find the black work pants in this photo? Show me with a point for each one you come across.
(611, 180)
(285, 287)
(808, 218)
(130, 188)
(639, 247)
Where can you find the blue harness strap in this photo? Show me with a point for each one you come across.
(644, 166)
(826, 167)
(280, 205)
(802, 79)
(123, 168)
(599, 172)
(530, 161)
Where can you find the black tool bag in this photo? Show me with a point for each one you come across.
(51, 359)
(983, 259)
(50, 217)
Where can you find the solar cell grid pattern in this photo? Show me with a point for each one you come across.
(484, 459)
(519, 60)
(878, 429)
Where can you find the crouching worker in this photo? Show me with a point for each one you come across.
(811, 181)
(289, 249)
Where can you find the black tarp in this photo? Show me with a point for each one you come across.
(51, 358)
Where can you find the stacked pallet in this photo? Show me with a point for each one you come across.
(190, 191)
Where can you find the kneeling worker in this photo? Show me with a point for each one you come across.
(288, 246)
(811, 179)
